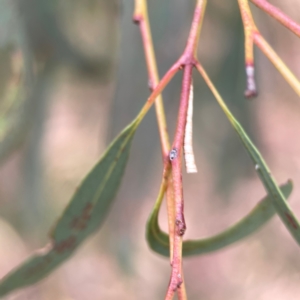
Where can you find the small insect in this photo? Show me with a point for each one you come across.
(173, 154)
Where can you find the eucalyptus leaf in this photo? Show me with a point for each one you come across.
(279, 202)
(278, 199)
(259, 215)
(83, 216)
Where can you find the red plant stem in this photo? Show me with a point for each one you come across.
(178, 146)
(190, 51)
(277, 14)
(181, 292)
(176, 162)
(160, 87)
(187, 60)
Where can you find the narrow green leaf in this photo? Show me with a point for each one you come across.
(279, 202)
(83, 216)
(260, 214)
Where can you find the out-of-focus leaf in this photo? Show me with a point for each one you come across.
(20, 93)
(260, 214)
(8, 23)
(83, 216)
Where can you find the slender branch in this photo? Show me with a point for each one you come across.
(171, 214)
(277, 14)
(190, 51)
(176, 162)
(261, 43)
(212, 87)
(157, 91)
(140, 17)
(187, 59)
(249, 28)
(181, 292)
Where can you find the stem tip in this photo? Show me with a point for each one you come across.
(251, 90)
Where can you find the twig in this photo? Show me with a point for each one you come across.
(187, 60)
(140, 17)
(277, 62)
(175, 157)
(277, 14)
(249, 29)
(157, 91)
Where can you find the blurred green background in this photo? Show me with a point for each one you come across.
(81, 80)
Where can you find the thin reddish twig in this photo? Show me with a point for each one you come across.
(140, 17)
(176, 161)
(277, 14)
(187, 59)
(159, 88)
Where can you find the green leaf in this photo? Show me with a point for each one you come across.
(279, 202)
(260, 214)
(84, 215)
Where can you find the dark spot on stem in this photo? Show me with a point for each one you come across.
(176, 285)
(249, 94)
(291, 221)
(181, 227)
(136, 19)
